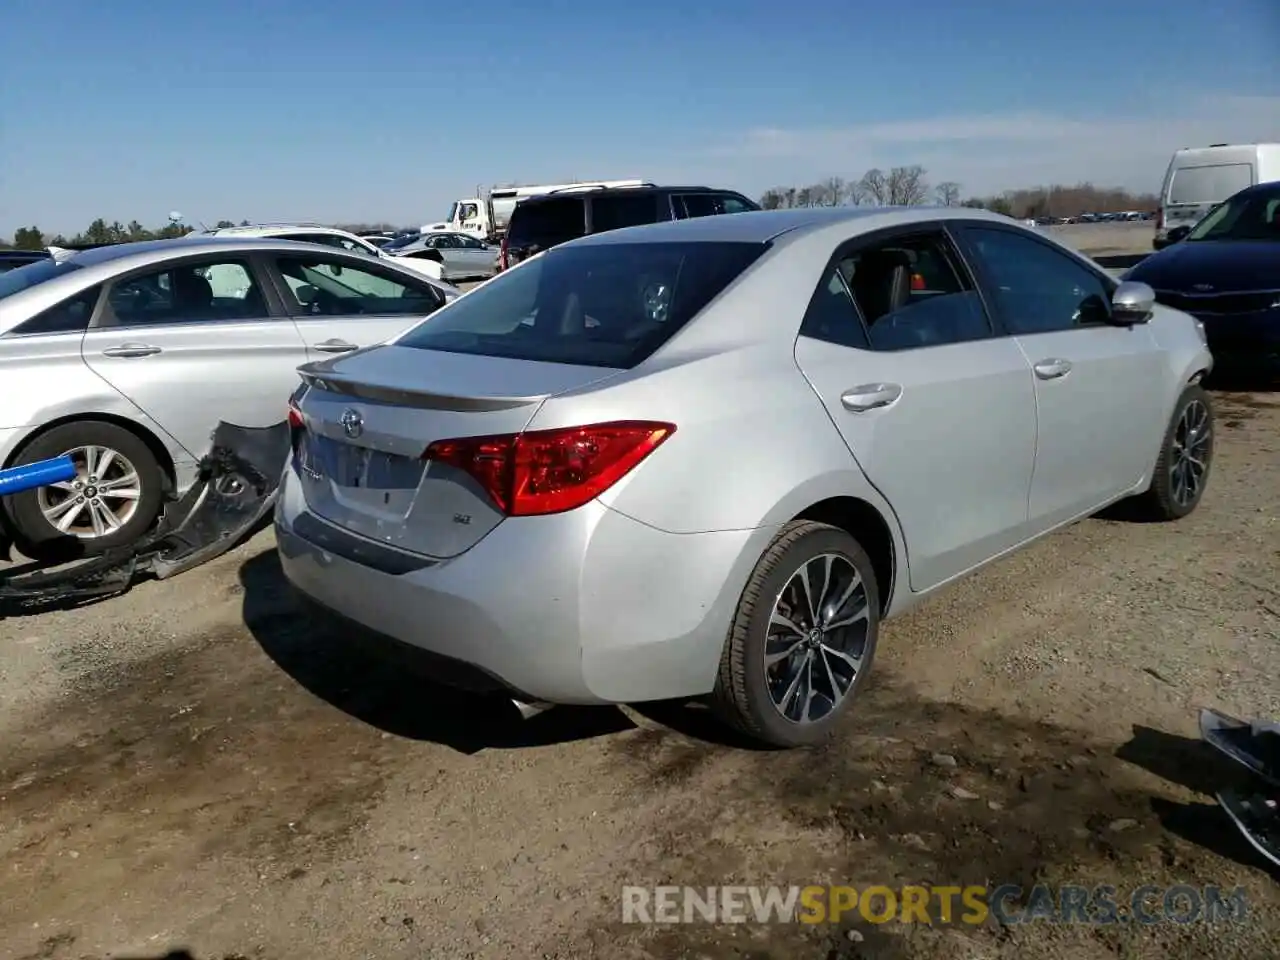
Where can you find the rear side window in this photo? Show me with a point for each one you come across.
(599, 306)
(1210, 184)
(547, 222)
(623, 210)
(69, 316)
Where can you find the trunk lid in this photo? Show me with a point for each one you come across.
(370, 416)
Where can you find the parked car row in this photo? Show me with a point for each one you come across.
(127, 356)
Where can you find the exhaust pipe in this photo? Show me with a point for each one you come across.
(530, 710)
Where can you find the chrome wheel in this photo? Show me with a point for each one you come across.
(102, 499)
(1189, 460)
(817, 637)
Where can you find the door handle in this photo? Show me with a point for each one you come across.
(335, 346)
(1052, 368)
(131, 350)
(870, 396)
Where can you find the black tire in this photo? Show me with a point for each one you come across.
(742, 696)
(1161, 501)
(37, 538)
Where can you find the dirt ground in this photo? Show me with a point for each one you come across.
(191, 766)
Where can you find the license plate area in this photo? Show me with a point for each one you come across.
(362, 468)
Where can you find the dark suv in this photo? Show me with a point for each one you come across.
(541, 222)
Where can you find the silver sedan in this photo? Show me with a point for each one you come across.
(708, 458)
(126, 357)
(461, 257)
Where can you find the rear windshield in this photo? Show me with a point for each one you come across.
(15, 281)
(602, 306)
(547, 222)
(1210, 184)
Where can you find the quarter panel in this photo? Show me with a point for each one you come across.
(748, 432)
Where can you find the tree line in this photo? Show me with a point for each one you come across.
(910, 186)
(102, 232)
(898, 186)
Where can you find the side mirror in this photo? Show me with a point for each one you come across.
(306, 294)
(1178, 234)
(1133, 302)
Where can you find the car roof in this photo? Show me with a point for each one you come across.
(147, 251)
(763, 226)
(578, 193)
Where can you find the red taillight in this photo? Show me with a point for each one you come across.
(551, 471)
(502, 254)
(296, 426)
(917, 282)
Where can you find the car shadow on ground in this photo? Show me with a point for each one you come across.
(1193, 764)
(327, 660)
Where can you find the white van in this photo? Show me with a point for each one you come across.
(1199, 178)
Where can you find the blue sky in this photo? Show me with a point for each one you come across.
(342, 111)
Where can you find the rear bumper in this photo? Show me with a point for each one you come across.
(584, 607)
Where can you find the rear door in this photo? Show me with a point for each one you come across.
(479, 259)
(342, 303)
(936, 407)
(196, 341)
(1098, 387)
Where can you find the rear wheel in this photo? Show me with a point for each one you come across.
(1182, 469)
(113, 501)
(801, 645)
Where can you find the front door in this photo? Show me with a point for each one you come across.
(193, 343)
(342, 303)
(937, 410)
(1101, 413)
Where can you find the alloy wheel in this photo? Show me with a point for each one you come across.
(816, 639)
(99, 501)
(1190, 454)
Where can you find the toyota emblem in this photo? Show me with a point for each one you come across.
(352, 423)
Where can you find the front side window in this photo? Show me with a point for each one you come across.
(710, 204)
(194, 292)
(1038, 289)
(324, 286)
(602, 306)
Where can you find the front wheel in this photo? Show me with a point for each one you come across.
(114, 500)
(1182, 469)
(801, 644)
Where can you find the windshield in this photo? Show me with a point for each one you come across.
(1248, 216)
(15, 281)
(603, 306)
(453, 211)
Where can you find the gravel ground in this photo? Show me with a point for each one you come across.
(190, 766)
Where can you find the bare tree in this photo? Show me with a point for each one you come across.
(834, 190)
(874, 187)
(907, 186)
(948, 193)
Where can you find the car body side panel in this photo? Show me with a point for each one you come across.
(46, 379)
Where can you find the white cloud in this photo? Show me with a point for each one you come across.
(990, 153)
